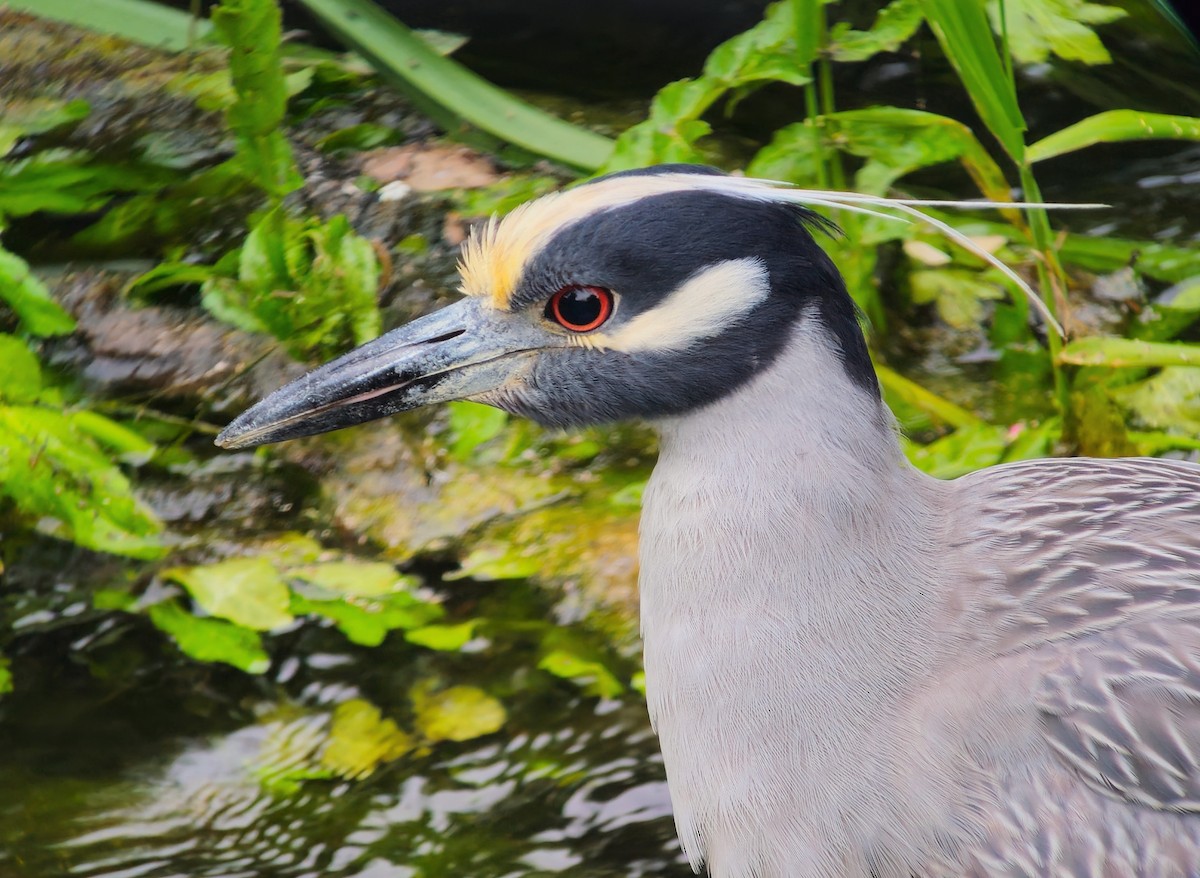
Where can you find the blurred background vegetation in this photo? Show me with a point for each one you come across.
(410, 649)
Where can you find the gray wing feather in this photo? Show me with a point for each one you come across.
(1123, 712)
(1100, 580)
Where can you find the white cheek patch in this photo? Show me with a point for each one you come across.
(703, 307)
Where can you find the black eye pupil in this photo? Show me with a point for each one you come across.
(579, 307)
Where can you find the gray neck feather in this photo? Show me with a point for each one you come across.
(789, 581)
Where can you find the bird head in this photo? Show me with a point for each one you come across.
(642, 294)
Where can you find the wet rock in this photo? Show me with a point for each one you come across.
(165, 352)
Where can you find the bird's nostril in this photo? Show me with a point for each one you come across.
(446, 337)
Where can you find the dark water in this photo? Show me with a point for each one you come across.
(130, 768)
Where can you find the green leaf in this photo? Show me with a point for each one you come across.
(359, 578)
(360, 740)
(246, 591)
(399, 54)
(57, 478)
(895, 384)
(62, 181)
(894, 24)
(1124, 352)
(211, 640)
(958, 294)
(253, 32)
(471, 425)
(460, 713)
(312, 285)
(20, 374)
(897, 141)
(1038, 29)
(962, 30)
(672, 129)
(130, 447)
(590, 674)
(367, 621)
(965, 450)
(494, 561)
(28, 297)
(780, 48)
(444, 638)
(1115, 126)
(1169, 400)
(6, 680)
(140, 21)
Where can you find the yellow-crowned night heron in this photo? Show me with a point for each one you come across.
(853, 669)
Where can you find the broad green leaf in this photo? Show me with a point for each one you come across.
(1165, 262)
(20, 374)
(638, 682)
(399, 54)
(6, 680)
(779, 48)
(1123, 352)
(130, 447)
(367, 621)
(894, 141)
(444, 638)
(166, 275)
(897, 141)
(29, 298)
(58, 479)
(246, 591)
(1168, 400)
(359, 578)
(894, 24)
(958, 294)
(140, 21)
(1186, 296)
(493, 561)
(672, 129)
(590, 674)
(1152, 444)
(962, 30)
(211, 640)
(791, 155)
(460, 713)
(1112, 127)
(360, 740)
(1038, 29)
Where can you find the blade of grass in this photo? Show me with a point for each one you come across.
(965, 35)
(138, 21)
(1118, 353)
(927, 401)
(399, 54)
(1112, 127)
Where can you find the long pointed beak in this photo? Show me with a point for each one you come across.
(458, 352)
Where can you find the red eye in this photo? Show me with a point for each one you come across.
(580, 309)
